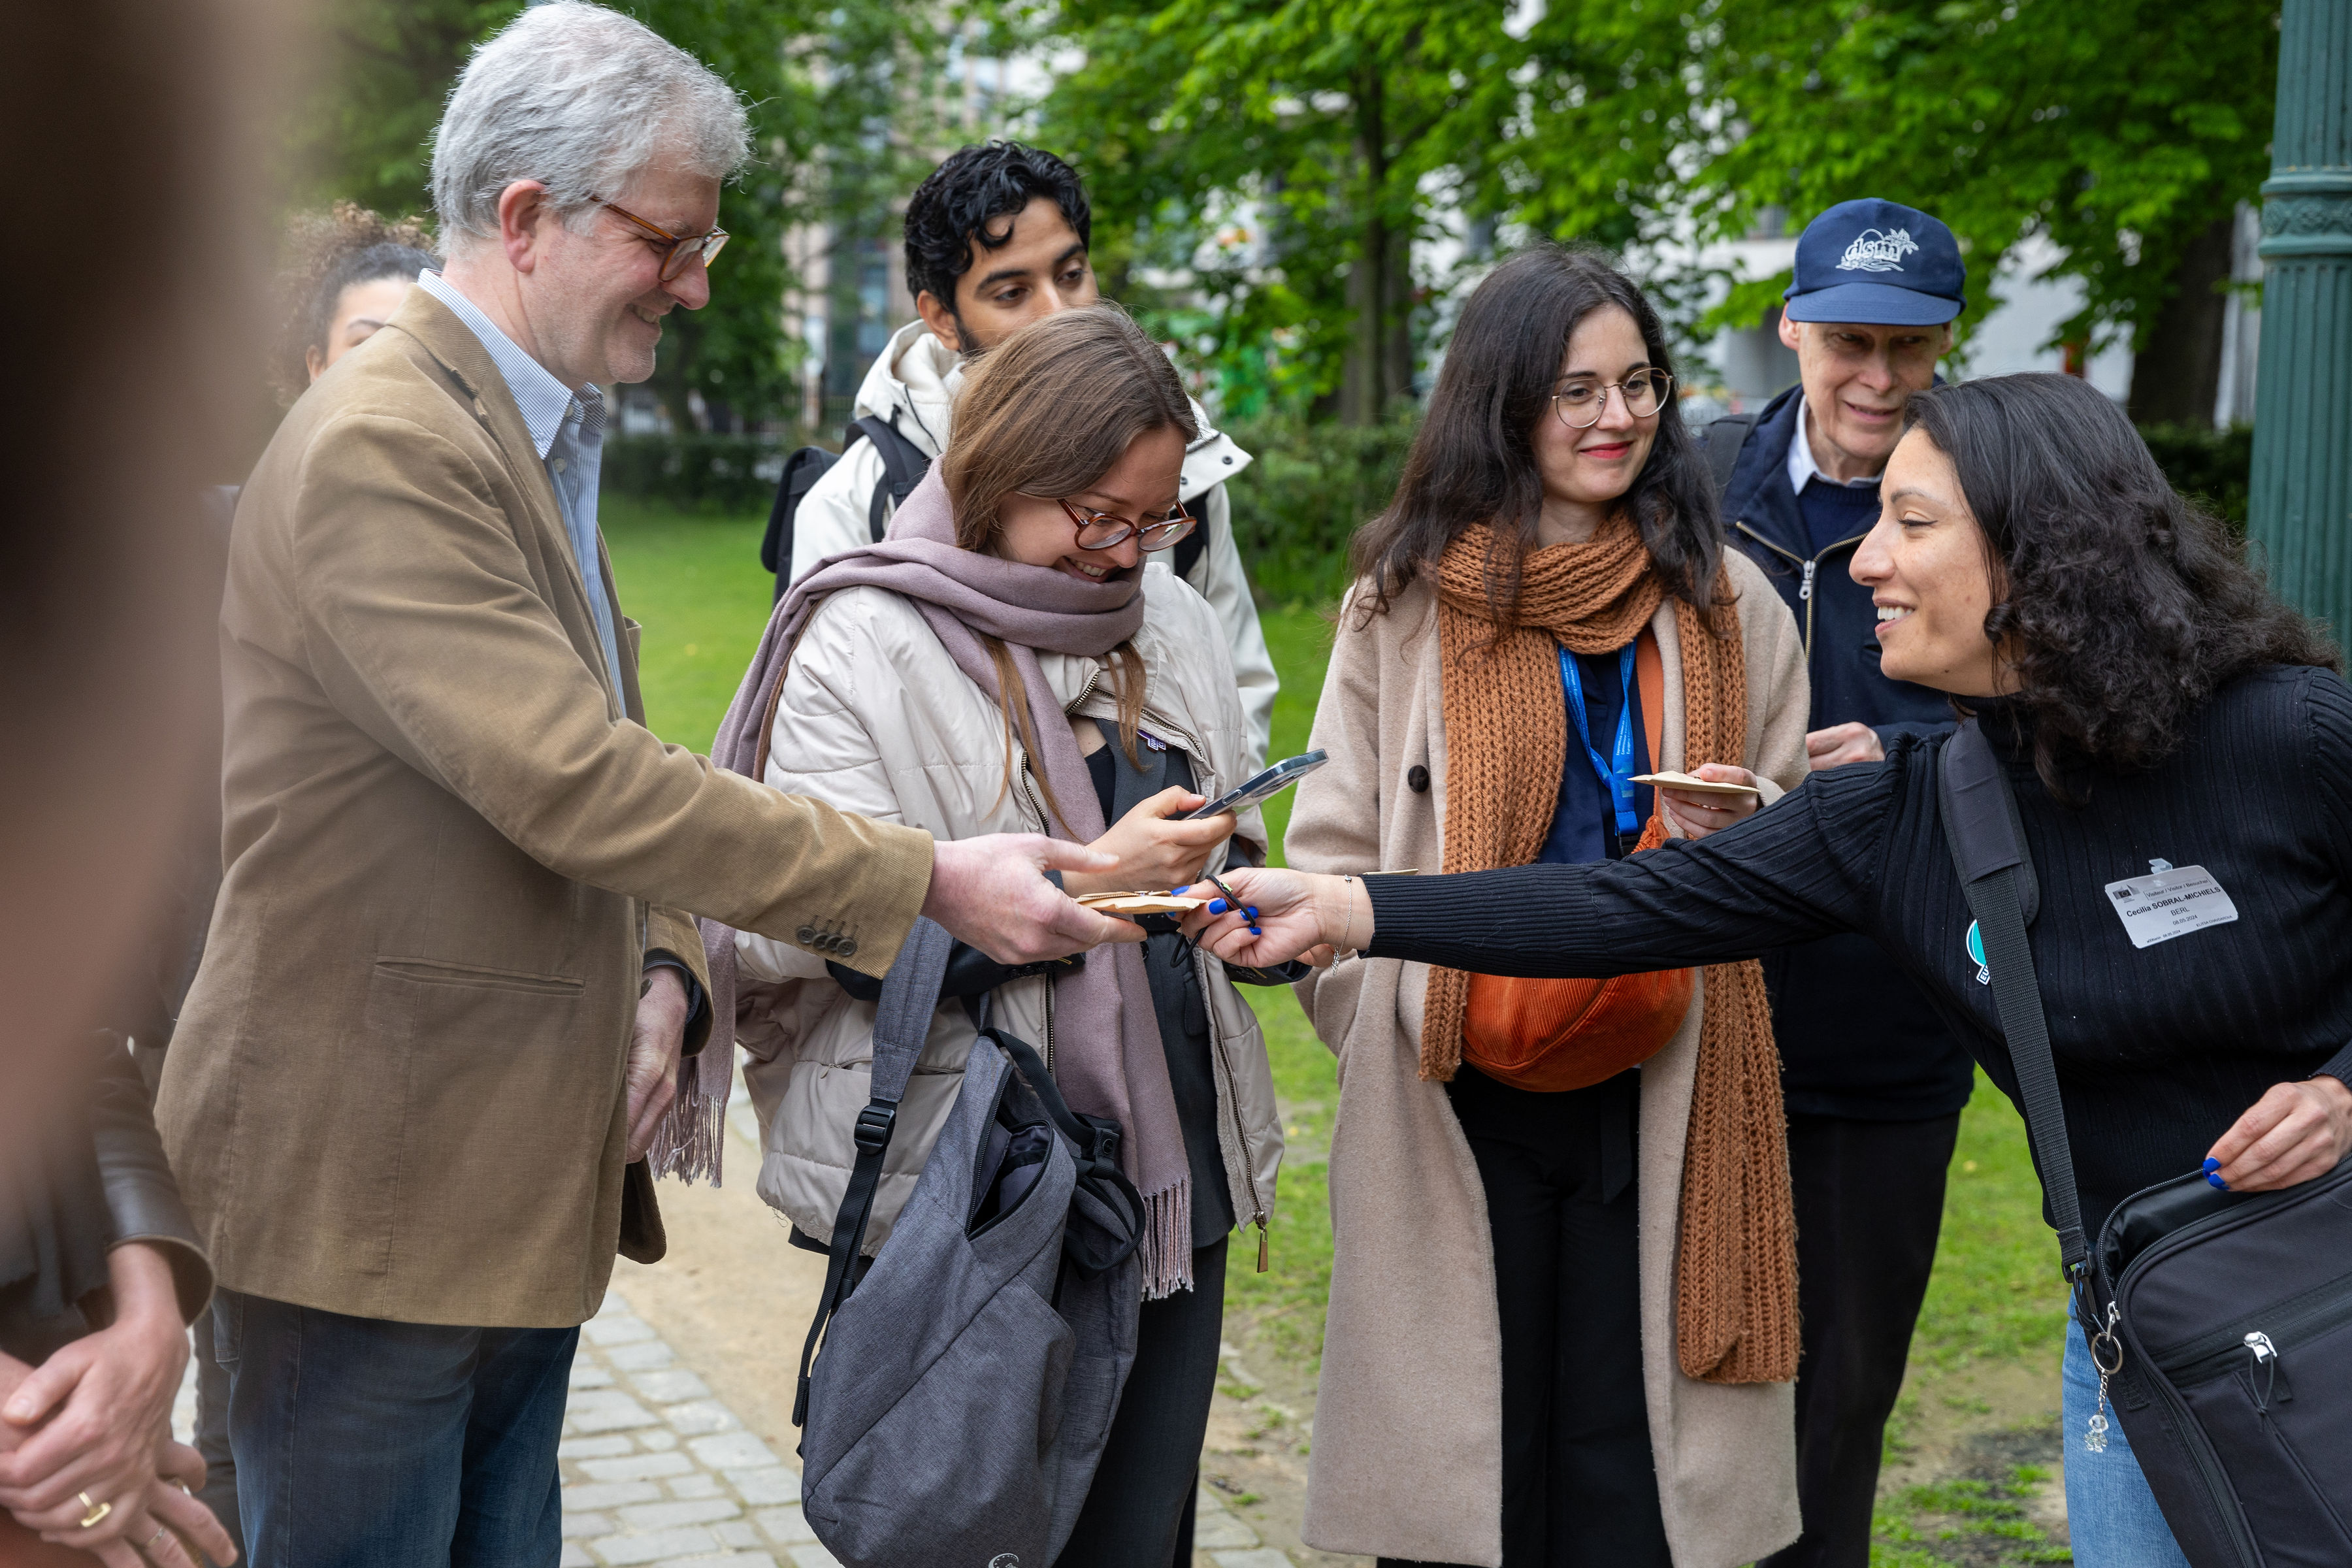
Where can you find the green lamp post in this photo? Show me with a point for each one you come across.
(2300, 507)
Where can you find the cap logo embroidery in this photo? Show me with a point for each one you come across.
(1878, 250)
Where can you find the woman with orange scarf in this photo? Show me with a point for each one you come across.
(1563, 1318)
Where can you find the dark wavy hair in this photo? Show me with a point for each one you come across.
(1473, 458)
(2124, 605)
(327, 253)
(954, 207)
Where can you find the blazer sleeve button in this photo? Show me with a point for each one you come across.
(805, 936)
(1416, 778)
(846, 947)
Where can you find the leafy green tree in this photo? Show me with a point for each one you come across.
(1325, 119)
(2123, 133)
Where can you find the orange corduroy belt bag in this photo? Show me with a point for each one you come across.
(1555, 1035)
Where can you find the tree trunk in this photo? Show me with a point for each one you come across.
(2177, 378)
(1366, 376)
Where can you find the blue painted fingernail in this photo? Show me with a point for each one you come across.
(1252, 909)
(2213, 1179)
(2211, 1164)
(1216, 906)
(1254, 931)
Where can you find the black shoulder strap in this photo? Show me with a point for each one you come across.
(904, 464)
(902, 1021)
(1191, 548)
(1725, 437)
(1988, 843)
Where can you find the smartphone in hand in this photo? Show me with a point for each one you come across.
(1272, 782)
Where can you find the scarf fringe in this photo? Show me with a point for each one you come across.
(690, 1143)
(1166, 1249)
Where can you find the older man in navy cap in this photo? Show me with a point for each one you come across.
(1873, 1080)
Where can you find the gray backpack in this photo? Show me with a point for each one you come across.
(971, 1368)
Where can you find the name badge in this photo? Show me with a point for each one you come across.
(2172, 902)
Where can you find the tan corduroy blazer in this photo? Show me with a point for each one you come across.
(449, 844)
(1408, 1458)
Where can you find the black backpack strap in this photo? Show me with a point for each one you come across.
(1725, 437)
(1988, 843)
(802, 471)
(1190, 549)
(902, 1021)
(904, 464)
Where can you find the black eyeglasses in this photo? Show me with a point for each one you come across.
(1581, 404)
(1106, 531)
(683, 247)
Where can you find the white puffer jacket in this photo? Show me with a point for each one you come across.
(875, 718)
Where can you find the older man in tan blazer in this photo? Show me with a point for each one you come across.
(415, 1067)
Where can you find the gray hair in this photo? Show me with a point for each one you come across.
(580, 98)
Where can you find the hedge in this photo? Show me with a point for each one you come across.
(1294, 506)
(730, 474)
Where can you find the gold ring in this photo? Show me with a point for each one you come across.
(93, 1513)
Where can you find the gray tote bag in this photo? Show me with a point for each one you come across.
(969, 1372)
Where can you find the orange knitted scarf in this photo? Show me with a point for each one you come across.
(1506, 740)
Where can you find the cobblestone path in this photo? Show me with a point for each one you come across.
(658, 1470)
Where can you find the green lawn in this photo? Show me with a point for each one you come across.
(696, 585)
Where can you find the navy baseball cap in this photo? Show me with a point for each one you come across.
(1880, 263)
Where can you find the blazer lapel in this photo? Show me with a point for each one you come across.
(470, 365)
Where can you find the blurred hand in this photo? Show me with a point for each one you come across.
(1295, 912)
(1700, 815)
(1153, 852)
(656, 1042)
(2294, 1133)
(1843, 743)
(89, 1418)
(992, 892)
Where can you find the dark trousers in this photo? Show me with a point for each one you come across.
(1139, 1512)
(1579, 1486)
(367, 1444)
(1870, 1201)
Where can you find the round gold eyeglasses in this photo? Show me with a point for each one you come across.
(1581, 404)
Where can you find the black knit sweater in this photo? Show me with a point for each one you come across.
(2158, 1049)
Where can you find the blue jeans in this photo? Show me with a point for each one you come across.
(2111, 1516)
(367, 1444)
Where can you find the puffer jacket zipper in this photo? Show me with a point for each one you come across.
(1811, 570)
(1229, 1106)
(1037, 812)
(1229, 1114)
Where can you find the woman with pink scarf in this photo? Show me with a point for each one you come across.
(1015, 658)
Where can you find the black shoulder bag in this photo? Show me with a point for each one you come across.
(2222, 1322)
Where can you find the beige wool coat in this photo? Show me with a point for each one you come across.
(449, 843)
(1407, 1460)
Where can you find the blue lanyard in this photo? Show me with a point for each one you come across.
(1617, 773)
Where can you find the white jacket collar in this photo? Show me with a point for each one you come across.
(917, 378)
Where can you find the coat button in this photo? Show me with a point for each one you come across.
(846, 947)
(1229, 462)
(805, 936)
(1416, 777)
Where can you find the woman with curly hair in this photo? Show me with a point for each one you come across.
(2153, 706)
(349, 271)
